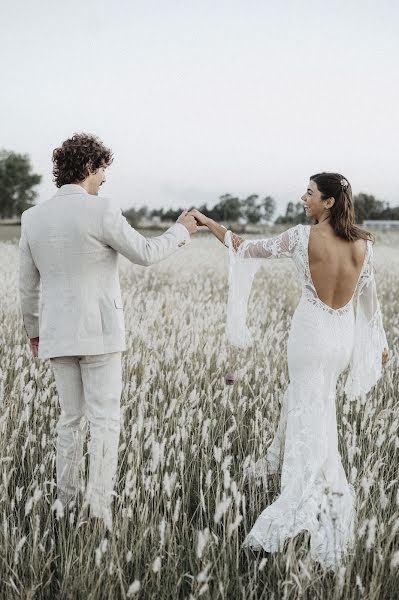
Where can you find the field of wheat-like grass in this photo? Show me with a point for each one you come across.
(182, 506)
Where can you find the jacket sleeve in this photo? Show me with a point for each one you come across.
(29, 285)
(118, 234)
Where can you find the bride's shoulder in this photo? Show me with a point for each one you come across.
(301, 230)
(301, 227)
(296, 237)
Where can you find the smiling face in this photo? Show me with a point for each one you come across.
(315, 207)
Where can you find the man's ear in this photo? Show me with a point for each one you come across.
(90, 169)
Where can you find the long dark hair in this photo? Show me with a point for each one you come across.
(342, 213)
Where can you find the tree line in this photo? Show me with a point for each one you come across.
(18, 182)
(228, 209)
(254, 210)
(366, 206)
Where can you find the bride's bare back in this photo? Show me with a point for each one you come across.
(335, 265)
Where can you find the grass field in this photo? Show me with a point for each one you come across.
(182, 507)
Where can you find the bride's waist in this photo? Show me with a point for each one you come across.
(313, 310)
(309, 298)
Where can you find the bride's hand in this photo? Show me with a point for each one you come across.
(199, 217)
(384, 357)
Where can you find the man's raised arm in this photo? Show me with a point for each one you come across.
(139, 250)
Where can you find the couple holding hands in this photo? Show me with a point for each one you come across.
(73, 315)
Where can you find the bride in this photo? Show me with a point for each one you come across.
(336, 324)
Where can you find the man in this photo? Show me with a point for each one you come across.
(69, 246)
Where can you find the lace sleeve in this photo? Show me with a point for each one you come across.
(370, 339)
(279, 246)
(242, 272)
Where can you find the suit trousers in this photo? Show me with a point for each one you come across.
(89, 390)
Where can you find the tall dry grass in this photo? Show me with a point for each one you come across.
(182, 507)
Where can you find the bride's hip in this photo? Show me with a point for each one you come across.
(319, 333)
(318, 317)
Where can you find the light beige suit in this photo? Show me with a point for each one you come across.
(71, 299)
(70, 244)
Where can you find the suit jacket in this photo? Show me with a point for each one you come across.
(68, 271)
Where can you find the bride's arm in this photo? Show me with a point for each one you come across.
(219, 231)
(279, 246)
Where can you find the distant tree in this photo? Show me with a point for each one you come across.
(368, 207)
(252, 209)
(389, 213)
(228, 209)
(143, 212)
(290, 212)
(136, 215)
(294, 214)
(171, 214)
(255, 210)
(269, 207)
(156, 212)
(16, 184)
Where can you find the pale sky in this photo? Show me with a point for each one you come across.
(206, 97)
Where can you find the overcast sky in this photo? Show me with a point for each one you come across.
(205, 97)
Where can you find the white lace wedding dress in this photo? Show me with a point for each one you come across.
(315, 494)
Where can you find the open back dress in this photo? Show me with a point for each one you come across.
(323, 341)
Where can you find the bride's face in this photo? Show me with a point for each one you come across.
(314, 206)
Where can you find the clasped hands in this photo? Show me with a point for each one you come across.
(192, 220)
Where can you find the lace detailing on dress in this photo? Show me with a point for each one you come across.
(327, 515)
(272, 463)
(241, 274)
(235, 239)
(315, 495)
(279, 246)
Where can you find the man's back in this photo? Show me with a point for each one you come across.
(70, 244)
(69, 248)
(65, 236)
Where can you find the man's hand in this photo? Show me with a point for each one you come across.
(384, 357)
(34, 344)
(199, 217)
(188, 221)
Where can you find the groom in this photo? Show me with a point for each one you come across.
(72, 308)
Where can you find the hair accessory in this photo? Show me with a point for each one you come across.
(344, 183)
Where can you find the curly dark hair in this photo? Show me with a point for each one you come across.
(77, 155)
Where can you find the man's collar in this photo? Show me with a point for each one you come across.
(70, 188)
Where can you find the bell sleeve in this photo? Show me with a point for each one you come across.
(365, 367)
(242, 272)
